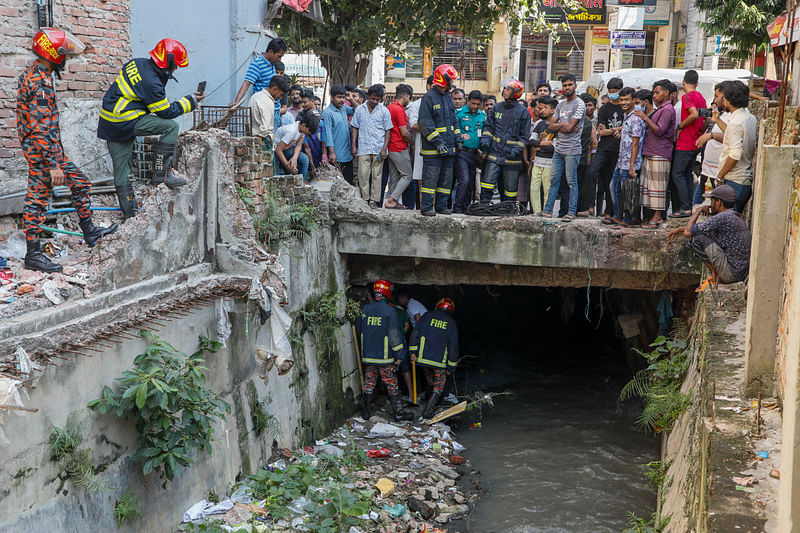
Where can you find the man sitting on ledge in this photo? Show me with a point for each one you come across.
(722, 241)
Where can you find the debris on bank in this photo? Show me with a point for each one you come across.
(368, 476)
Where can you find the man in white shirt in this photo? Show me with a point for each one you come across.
(412, 112)
(262, 109)
(738, 144)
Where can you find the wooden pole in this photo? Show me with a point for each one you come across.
(358, 355)
(414, 381)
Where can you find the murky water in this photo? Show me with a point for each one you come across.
(560, 456)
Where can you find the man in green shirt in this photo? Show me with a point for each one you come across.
(471, 119)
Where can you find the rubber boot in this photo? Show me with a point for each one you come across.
(430, 406)
(163, 154)
(36, 260)
(397, 407)
(92, 234)
(365, 401)
(127, 201)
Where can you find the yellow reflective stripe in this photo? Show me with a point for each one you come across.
(413, 348)
(428, 152)
(185, 104)
(513, 161)
(442, 190)
(441, 130)
(487, 185)
(119, 107)
(373, 360)
(516, 143)
(124, 117)
(511, 194)
(426, 190)
(125, 89)
(433, 134)
(451, 363)
(386, 347)
(421, 347)
(161, 105)
(457, 131)
(398, 347)
(491, 157)
(496, 139)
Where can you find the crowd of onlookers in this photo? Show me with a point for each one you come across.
(631, 161)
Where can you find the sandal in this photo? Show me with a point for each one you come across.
(395, 206)
(651, 225)
(569, 217)
(608, 221)
(584, 214)
(683, 214)
(547, 215)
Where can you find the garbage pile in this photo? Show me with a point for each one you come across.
(366, 477)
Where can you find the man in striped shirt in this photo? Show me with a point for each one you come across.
(262, 69)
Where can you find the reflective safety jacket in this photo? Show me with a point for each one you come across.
(380, 335)
(435, 340)
(37, 118)
(137, 91)
(507, 129)
(438, 124)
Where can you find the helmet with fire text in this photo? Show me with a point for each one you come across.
(444, 76)
(170, 54)
(383, 287)
(446, 304)
(54, 45)
(515, 86)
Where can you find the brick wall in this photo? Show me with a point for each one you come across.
(102, 24)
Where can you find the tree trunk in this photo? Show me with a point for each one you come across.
(342, 65)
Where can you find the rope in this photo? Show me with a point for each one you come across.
(589, 275)
(503, 209)
(235, 72)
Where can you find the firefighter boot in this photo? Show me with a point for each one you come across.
(92, 234)
(365, 401)
(163, 154)
(36, 260)
(127, 201)
(430, 406)
(397, 407)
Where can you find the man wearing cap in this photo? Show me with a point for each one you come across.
(722, 241)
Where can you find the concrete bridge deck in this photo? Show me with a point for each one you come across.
(523, 250)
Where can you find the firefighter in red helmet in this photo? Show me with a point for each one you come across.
(434, 346)
(381, 346)
(40, 136)
(136, 105)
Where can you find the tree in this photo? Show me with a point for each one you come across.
(741, 24)
(351, 30)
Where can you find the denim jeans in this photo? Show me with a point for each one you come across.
(569, 164)
(699, 190)
(743, 193)
(437, 180)
(302, 163)
(683, 178)
(491, 172)
(410, 195)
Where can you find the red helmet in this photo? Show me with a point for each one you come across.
(444, 75)
(383, 287)
(515, 86)
(54, 45)
(446, 304)
(169, 54)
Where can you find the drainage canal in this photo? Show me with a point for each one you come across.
(560, 454)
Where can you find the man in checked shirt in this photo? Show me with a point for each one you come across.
(40, 137)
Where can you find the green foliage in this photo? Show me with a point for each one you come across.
(64, 441)
(246, 196)
(166, 394)
(656, 473)
(76, 463)
(79, 468)
(324, 481)
(659, 384)
(262, 421)
(742, 25)
(352, 310)
(279, 222)
(127, 508)
(654, 524)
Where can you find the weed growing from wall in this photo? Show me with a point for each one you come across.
(76, 463)
(127, 508)
(166, 394)
(279, 221)
(654, 524)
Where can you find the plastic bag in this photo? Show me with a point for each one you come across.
(16, 246)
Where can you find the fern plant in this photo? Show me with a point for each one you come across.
(127, 508)
(660, 382)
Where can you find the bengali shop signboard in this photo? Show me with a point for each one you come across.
(628, 40)
(591, 12)
(780, 30)
(631, 3)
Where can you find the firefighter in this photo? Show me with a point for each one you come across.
(381, 344)
(136, 105)
(434, 346)
(441, 136)
(40, 137)
(507, 129)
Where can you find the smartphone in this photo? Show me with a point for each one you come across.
(201, 87)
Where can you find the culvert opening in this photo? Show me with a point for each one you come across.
(560, 454)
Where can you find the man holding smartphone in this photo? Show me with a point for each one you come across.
(136, 105)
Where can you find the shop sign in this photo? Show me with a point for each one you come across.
(628, 40)
(657, 15)
(592, 12)
(779, 30)
(631, 3)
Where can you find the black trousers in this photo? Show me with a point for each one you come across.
(601, 170)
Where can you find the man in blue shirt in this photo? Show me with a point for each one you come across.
(261, 69)
(471, 120)
(337, 133)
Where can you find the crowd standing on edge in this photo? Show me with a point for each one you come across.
(631, 161)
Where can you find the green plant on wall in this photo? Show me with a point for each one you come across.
(659, 384)
(654, 524)
(166, 394)
(76, 464)
(127, 508)
(279, 222)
